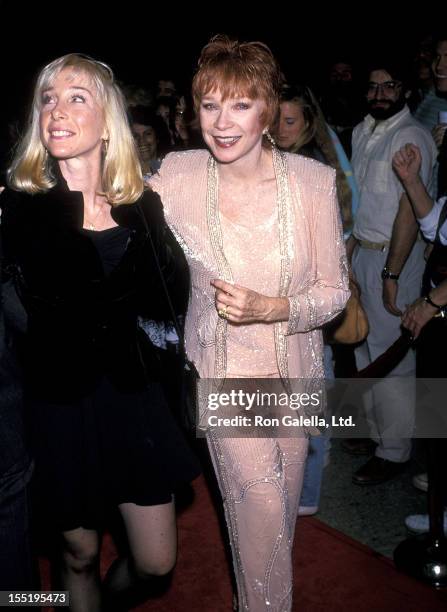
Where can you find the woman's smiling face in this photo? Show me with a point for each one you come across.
(232, 128)
(71, 120)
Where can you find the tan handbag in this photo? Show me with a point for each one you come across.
(351, 326)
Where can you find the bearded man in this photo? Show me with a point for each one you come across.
(387, 260)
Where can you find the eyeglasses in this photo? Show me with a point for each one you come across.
(387, 87)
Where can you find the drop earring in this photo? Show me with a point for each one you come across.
(269, 137)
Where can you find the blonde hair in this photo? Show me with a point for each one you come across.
(236, 68)
(316, 130)
(122, 180)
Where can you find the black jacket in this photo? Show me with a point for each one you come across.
(82, 325)
(15, 464)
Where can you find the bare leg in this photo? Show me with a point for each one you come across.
(260, 481)
(152, 536)
(80, 569)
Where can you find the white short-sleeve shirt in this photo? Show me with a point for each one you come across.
(373, 147)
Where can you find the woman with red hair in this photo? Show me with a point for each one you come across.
(262, 235)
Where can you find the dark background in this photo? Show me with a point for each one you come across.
(142, 42)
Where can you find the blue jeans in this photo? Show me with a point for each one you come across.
(318, 447)
(313, 471)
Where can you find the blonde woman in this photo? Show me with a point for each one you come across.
(84, 267)
(302, 129)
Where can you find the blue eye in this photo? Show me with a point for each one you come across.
(209, 106)
(77, 98)
(290, 121)
(242, 106)
(47, 99)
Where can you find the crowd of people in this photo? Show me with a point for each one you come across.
(227, 226)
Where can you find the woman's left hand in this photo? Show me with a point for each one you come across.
(241, 305)
(417, 315)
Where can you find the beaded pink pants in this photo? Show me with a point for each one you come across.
(260, 481)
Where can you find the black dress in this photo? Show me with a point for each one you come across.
(101, 430)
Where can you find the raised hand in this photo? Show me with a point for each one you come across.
(407, 163)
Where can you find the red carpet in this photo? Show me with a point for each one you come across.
(333, 573)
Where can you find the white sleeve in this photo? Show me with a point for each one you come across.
(429, 223)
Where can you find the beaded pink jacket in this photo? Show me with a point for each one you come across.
(313, 273)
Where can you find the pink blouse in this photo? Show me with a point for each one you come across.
(254, 258)
(301, 255)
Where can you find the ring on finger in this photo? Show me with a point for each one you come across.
(223, 313)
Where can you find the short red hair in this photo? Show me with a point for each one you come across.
(238, 69)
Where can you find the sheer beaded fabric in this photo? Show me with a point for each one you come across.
(293, 249)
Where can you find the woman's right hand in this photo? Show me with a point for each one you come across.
(407, 162)
(248, 306)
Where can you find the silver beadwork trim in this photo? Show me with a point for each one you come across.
(284, 205)
(286, 252)
(215, 232)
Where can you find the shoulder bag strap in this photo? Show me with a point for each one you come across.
(162, 279)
